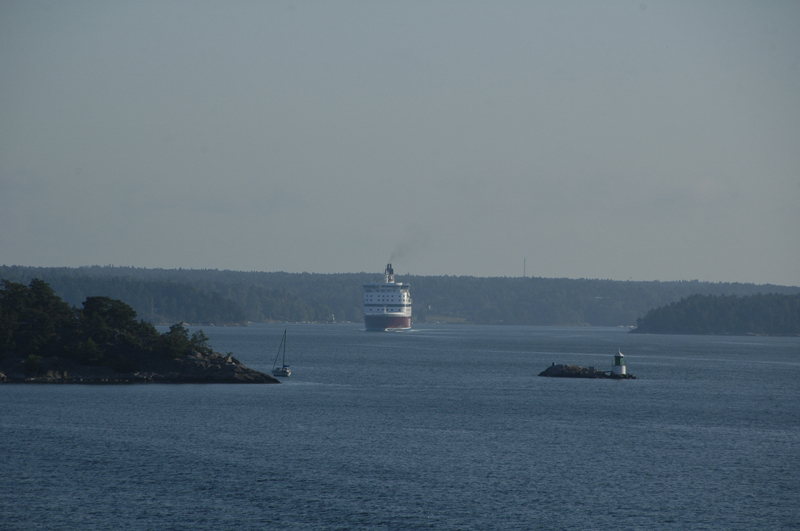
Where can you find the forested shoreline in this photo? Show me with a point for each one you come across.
(38, 325)
(761, 314)
(45, 340)
(208, 296)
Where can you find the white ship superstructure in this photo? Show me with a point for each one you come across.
(387, 305)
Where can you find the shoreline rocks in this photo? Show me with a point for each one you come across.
(576, 371)
(196, 367)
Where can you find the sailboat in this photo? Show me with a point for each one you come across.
(284, 369)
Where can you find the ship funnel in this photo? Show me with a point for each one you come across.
(389, 273)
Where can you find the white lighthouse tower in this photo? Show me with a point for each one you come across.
(619, 365)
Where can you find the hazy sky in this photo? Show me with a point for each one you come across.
(642, 140)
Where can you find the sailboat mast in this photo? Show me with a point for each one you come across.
(284, 348)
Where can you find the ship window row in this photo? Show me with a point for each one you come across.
(385, 290)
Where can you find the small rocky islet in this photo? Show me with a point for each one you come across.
(563, 370)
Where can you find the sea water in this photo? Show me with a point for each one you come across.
(440, 427)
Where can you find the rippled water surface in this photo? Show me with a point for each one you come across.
(442, 427)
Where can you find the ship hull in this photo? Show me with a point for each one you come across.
(387, 322)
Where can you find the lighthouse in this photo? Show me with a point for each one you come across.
(619, 364)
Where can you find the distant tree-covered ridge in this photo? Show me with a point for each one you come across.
(157, 301)
(40, 327)
(210, 296)
(760, 314)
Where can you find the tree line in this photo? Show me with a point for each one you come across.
(209, 296)
(37, 325)
(760, 314)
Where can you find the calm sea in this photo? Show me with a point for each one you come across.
(442, 427)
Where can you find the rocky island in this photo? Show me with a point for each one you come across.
(195, 367)
(45, 340)
(576, 371)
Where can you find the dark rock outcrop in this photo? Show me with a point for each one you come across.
(195, 367)
(576, 371)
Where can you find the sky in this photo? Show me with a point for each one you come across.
(613, 140)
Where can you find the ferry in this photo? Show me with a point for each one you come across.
(387, 305)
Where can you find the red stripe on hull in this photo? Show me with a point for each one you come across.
(382, 322)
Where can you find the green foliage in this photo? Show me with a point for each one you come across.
(37, 323)
(227, 297)
(33, 365)
(199, 342)
(33, 319)
(176, 342)
(85, 352)
(159, 301)
(770, 314)
(105, 312)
